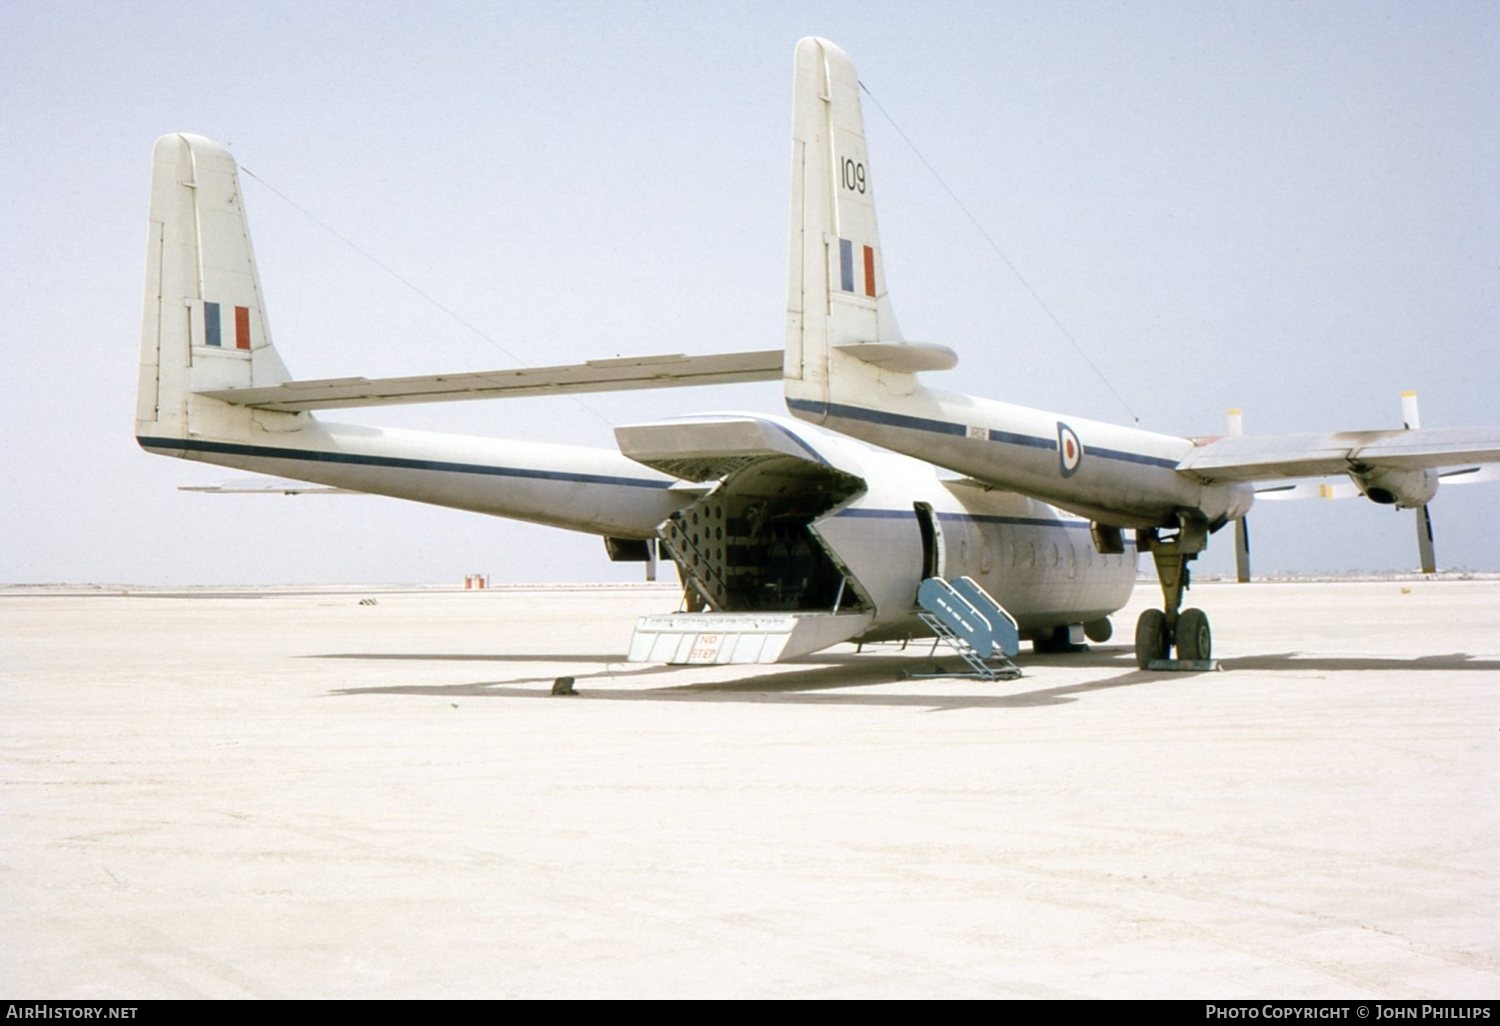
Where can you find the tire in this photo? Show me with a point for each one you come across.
(1150, 637)
(1194, 640)
(1099, 631)
(1051, 643)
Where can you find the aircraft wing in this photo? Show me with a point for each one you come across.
(1274, 457)
(671, 371)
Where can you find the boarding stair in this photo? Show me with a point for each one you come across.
(964, 616)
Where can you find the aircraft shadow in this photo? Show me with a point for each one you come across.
(1296, 661)
(827, 680)
(1111, 655)
(804, 686)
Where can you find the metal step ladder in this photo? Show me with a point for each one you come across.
(965, 617)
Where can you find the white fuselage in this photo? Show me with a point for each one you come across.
(1116, 475)
(899, 523)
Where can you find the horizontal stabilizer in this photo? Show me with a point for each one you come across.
(1268, 457)
(615, 375)
(907, 357)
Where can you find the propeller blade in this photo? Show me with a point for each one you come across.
(1242, 525)
(1410, 419)
(1424, 539)
(1242, 549)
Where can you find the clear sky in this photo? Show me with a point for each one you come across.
(1289, 207)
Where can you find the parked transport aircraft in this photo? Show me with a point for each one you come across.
(788, 537)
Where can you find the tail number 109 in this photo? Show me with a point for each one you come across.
(853, 175)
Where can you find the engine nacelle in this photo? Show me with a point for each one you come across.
(1390, 486)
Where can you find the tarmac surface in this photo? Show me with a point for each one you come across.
(288, 793)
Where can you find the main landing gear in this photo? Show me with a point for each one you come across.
(1158, 631)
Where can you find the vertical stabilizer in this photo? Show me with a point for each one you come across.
(836, 293)
(204, 321)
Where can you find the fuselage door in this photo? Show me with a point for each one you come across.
(932, 540)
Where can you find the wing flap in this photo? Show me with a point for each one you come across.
(621, 374)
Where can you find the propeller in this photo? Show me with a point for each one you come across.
(1346, 489)
(1411, 421)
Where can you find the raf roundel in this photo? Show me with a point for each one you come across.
(1069, 450)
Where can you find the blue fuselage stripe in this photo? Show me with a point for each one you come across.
(976, 518)
(943, 427)
(1131, 457)
(1011, 438)
(940, 427)
(392, 462)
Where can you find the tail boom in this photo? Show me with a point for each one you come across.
(597, 491)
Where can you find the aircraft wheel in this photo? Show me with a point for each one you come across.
(1194, 640)
(1150, 637)
(1052, 642)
